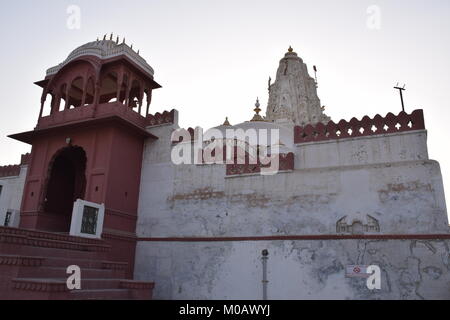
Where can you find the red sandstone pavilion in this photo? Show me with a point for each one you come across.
(99, 191)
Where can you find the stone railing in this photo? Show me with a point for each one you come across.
(360, 128)
(90, 112)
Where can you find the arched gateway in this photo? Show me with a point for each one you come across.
(66, 183)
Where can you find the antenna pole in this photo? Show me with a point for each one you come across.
(400, 89)
(315, 76)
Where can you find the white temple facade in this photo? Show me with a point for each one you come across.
(360, 193)
(346, 193)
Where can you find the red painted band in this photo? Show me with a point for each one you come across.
(302, 237)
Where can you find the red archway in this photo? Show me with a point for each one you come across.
(66, 182)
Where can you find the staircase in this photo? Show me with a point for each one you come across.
(33, 266)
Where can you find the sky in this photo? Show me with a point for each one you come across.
(213, 58)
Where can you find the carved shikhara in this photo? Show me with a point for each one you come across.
(293, 96)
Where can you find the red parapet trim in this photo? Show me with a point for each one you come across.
(14, 170)
(303, 237)
(285, 163)
(25, 159)
(360, 128)
(9, 171)
(160, 118)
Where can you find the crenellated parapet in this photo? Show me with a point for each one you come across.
(9, 171)
(14, 170)
(161, 118)
(360, 128)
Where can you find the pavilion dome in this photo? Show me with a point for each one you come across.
(285, 139)
(104, 49)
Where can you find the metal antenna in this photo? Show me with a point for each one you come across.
(401, 89)
(315, 75)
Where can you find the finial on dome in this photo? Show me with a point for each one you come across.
(117, 40)
(227, 123)
(110, 38)
(257, 110)
(290, 49)
(131, 47)
(123, 41)
(104, 37)
(138, 51)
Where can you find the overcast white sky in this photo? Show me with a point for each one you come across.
(213, 58)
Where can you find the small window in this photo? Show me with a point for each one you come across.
(89, 220)
(8, 219)
(1, 188)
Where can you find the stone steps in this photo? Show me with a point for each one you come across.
(60, 272)
(111, 294)
(48, 235)
(33, 266)
(98, 289)
(25, 240)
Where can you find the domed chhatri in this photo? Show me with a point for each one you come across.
(105, 49)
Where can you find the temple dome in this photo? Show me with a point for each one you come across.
(286, 135)
(104, 49)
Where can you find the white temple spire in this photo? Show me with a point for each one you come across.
(293, 96)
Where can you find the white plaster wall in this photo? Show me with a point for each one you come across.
(403, 146)
(387, 177)
(11, 197)
(405, 197)
(410, 269)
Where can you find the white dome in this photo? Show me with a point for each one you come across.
(104, 49)
(286, 134)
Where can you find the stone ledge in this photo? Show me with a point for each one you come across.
(25, 261)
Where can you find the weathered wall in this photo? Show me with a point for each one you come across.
(11, 196)
(376, 185)
(410, 269)
(384, 193)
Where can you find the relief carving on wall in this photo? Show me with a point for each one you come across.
(357, 226)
